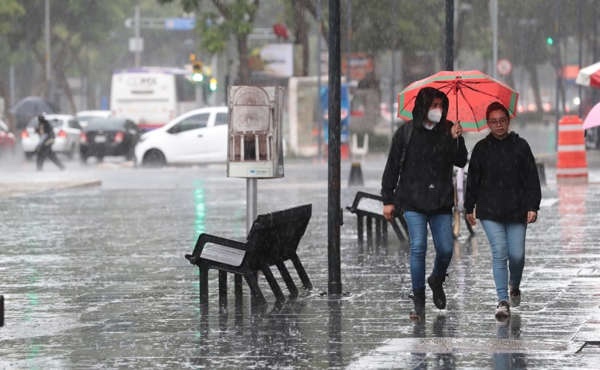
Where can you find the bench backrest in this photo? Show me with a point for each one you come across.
(367, 204)
(275, 236)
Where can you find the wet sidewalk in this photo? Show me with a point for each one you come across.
(114, 291)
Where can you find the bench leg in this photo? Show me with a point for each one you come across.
(288, 279)
(369, 232)
(203, 272)
(301, 272)
(384, 233)
(237, 282)
(257, 297)
(272, 282)
(222, 289)
(359, 229)
(378, 232)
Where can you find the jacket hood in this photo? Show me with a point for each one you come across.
(423, 102)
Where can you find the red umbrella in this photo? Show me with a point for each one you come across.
(469, 93)
(589, 76)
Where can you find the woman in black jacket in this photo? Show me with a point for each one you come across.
(503, 191)
(418, 180)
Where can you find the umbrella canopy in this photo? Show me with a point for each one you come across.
(589, 76)
(593, 117)
(469, 93)
(29, 107)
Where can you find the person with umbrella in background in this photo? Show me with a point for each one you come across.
(44, 148)
(417, 181)
(503, 191)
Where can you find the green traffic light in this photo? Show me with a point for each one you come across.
(212, 85)
(549, 41)
(197, 77)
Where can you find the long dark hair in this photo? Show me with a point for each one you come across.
(423, 102)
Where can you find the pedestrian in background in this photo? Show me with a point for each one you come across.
(503, 191)
(44, 148)
(417, 181)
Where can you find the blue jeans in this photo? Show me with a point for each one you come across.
(507, 241)
(443, 241)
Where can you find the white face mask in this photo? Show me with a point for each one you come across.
(434, 115)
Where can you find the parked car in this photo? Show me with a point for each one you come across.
(198, 136)
(84, 116)
(66, 130)
(7, 139)
(111, 136)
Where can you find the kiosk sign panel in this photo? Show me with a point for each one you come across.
(255, 148)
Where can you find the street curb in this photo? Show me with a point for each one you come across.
(18, 189)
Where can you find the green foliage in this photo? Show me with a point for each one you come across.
(9, 9)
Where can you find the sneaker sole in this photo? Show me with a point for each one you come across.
(502, 316)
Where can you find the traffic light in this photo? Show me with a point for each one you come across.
(549, 41)
(212, 84)
(197, 71)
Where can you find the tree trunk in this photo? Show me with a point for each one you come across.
(535, 86)
(244, 69)
(301, 34)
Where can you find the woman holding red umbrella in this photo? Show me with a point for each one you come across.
(503, 191)
(418, 181)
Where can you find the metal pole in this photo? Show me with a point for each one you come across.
(334, 109)
(348, 38)
(580, 52)
(494, 19)
(449, 35)
(393, 79)
(251, 184)
(319, 111)
(392, 93)
(136, 22)
(250, 203)
(48, 50)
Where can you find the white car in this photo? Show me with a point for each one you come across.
(66, 132)
(198, 136)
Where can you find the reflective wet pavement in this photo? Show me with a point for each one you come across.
(95, 278)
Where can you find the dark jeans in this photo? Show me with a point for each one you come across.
(45, 151)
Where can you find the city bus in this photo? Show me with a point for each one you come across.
(151, 96)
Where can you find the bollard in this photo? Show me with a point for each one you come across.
(356, 176)
(1, 310)
(571, 159)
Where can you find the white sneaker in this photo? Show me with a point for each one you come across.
(502, 310)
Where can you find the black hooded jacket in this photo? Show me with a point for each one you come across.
(503, 183)
(425, 183)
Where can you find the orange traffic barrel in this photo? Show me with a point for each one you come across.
(571, 161)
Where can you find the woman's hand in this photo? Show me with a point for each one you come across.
(388, 211)
(471, 218)
(531, 217)
(456, 130)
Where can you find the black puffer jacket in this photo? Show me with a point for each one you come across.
(426, 178)
(502, 182)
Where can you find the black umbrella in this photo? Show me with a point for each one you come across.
(29, 107)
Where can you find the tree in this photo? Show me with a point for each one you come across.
(9, 9)
(77, 28)
(230, 19)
